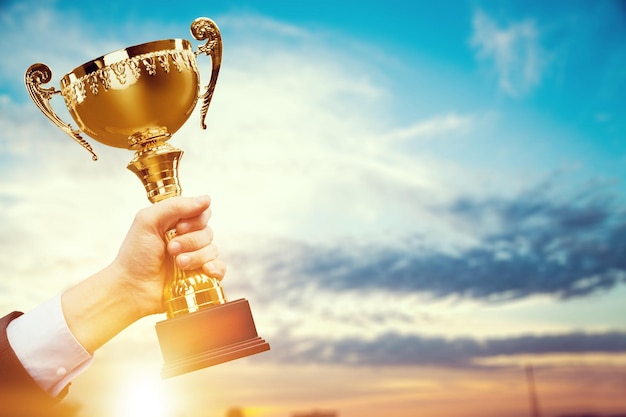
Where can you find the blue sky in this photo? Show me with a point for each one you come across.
(418, 188)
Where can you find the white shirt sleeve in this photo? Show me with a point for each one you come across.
(47, 348)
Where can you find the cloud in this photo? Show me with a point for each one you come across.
(463, 352)
(514, 52)
(526, 245)
(438, 126)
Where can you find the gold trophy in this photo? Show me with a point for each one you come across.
(137, 98)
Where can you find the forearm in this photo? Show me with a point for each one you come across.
(99, 308)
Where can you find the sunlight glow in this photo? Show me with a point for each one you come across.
(144, 397)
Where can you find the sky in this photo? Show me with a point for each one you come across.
(420, 201)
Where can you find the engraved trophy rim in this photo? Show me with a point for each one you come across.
(123, 54)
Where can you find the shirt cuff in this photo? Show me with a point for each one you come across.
(47, 348)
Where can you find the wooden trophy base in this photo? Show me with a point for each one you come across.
(208, 337)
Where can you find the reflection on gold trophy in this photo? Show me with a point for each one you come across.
(137, 98)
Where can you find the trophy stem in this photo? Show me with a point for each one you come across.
(156, 165)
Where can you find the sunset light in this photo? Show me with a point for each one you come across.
(145, 397)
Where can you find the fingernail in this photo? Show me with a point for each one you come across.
(210, 268)
(202, 200)
(183, 260)
(175, 247)
(182, 228)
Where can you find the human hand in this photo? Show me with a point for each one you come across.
(141, 261)
(131, 287)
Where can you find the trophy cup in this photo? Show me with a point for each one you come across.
(137, 98)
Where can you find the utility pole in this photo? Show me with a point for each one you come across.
(532, 395)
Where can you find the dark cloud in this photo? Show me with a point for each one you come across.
(531, 244)
(398, 350)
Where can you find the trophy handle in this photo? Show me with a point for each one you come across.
(205, 29)
(36, 75)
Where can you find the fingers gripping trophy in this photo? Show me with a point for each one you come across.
(137, 98)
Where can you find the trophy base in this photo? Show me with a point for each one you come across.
(208, 337)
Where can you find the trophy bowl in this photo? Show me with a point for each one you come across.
(147, 87)
(137, 98)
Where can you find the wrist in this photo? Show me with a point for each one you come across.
(98, 308)
(142, 290)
